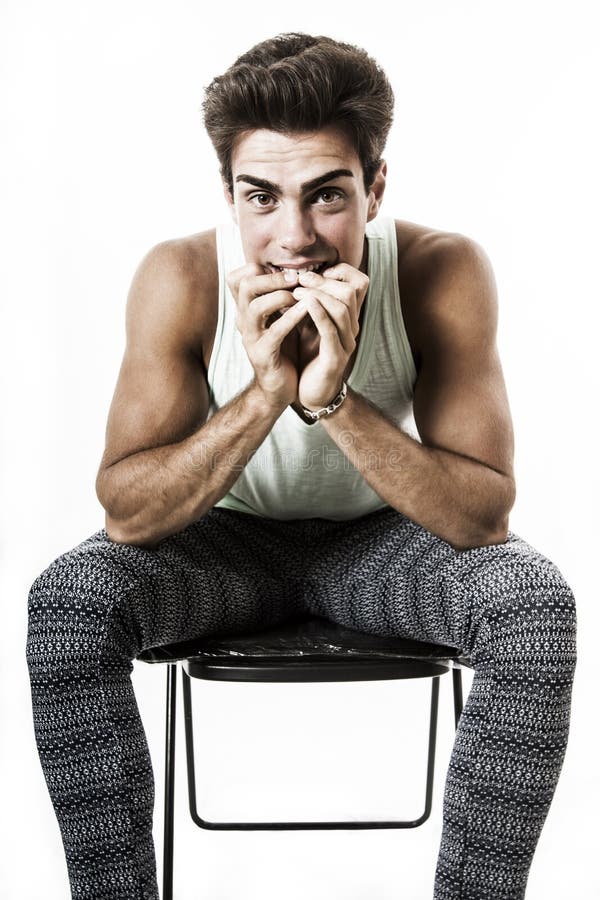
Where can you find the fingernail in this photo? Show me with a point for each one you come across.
(290, 276)
(308, 276)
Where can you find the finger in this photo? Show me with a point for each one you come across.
(354, 278)
(332, 356)
(259, 310)
(335, 331)
(349, 274)
(346, 293)
(340, 289)
(253, 286)
(337, 311)
(234, 277)
(282, 326)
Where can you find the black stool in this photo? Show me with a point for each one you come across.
(306, 649)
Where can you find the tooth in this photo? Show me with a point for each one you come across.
(301, 271)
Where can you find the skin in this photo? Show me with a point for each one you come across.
(287, 217)
(457, 481)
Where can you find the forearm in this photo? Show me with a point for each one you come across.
(155, 493)
(456, 498)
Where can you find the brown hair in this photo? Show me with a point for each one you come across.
(297, 83)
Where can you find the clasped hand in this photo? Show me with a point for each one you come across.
(333, 301)
(270, 309)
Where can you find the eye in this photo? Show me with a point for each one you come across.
(329, 195)
(258, 198)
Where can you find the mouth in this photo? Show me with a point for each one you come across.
(298, 270)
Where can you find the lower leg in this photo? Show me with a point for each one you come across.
(90, 613)
(90, 739)
(513, 733)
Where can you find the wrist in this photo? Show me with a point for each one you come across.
(266, 403)
(314, 413)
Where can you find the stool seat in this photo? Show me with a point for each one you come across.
(306, 649)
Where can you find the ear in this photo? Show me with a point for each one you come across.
(377, 191)
(229, 200)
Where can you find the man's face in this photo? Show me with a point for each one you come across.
(299, 199)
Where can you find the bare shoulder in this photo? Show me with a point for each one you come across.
(177, 283)
(444, 275)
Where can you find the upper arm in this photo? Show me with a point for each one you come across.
(161, 395)
(460, 399)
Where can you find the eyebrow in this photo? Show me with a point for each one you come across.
(304, 187)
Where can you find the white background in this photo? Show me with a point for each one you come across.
(103, 155)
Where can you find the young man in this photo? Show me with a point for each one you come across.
(259, 463)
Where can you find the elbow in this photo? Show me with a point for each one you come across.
(112, 526)
(118, 533)
(115, 531)
(483, 539)
(495, 530)
(500, 534)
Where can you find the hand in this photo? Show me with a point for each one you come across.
(333, 301)
(259, 297)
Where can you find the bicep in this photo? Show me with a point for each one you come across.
(161, 395)
(158, 400)
(460, 399)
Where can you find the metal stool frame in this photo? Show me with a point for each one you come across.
(292, 669)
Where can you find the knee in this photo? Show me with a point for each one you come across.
(71, 605)
(525, 612)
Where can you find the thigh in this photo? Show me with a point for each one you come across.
(385, 574)
(225, 573)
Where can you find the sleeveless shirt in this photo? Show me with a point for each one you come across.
(298, 471)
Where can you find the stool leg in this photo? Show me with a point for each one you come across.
(169, 781)
(433, 716)
(458, 697)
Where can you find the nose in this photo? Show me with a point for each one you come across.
(297, 231)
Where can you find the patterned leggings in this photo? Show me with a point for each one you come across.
(100, 604)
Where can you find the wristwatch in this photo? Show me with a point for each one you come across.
(331, 407)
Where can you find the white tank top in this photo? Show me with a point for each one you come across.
(298, 472)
